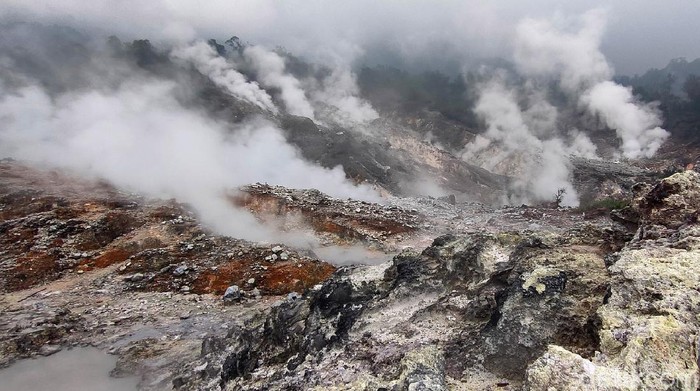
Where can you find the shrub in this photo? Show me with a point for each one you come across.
(605, 204)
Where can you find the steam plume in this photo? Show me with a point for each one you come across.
(271, 72)
(537, 159)
(524, 135)
(545, 49)
(140, 138)
(221, 72)
(636, 124)
(339, 90)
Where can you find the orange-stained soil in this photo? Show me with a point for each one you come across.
(109, 257)
(346, 222)
(280, 278)
(31, 270)
(54, 224)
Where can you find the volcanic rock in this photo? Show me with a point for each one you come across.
(233, 293)
(648, 327)
(491, 303)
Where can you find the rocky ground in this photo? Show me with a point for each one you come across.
(476, 297)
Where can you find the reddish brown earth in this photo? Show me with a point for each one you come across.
(53, 225)
(344, 221)
(277, 278)
(84, 263)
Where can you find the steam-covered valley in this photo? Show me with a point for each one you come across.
(364, 211)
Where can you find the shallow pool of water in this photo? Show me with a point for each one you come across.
(68, 370)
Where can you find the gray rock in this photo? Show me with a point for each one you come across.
(48, 350)
(649, 324)
(559, 369)
(233, 293)
(180, 270)
(201, 368)
(423, 370)
(271, 258)
(450, 199)
(135, 277)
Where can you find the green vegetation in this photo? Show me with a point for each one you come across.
(605, 204)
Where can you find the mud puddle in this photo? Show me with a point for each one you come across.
(67, 370)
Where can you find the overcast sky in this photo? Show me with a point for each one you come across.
(640, 33)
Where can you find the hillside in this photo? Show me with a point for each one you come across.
(220, 215)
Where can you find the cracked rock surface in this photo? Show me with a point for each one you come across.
(649, 325)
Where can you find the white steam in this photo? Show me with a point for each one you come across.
(636, 124)
(224, 74)
(523, 144)
(339, 90)
(335, 96)
(271, 72)
(547, 49)
(524, 138)
(140, 138)
(351, 255)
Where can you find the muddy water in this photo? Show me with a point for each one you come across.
(68, 370)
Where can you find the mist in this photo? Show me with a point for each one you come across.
(421, 34)
(337, 97)
(352, 255)
(133, 126)
(525, 144)
(139, 138)
(567, 50)
(270, 69)
(636, 123)
(333, 98)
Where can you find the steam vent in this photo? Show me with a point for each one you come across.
(371, 196)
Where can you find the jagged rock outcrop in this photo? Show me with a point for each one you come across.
(473, 310)
(649, 326)
(528, 311)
